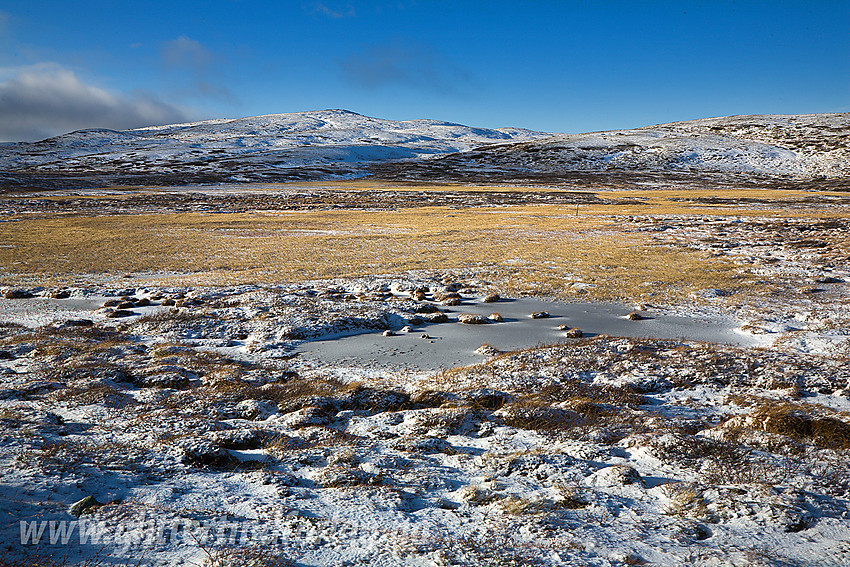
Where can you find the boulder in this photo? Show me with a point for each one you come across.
(574, 333)
(472, 319)
(492, 297)
(540, 315)
(85, 506)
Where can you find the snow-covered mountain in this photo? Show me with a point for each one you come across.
(797, 146)
(337, 143)
(286, 146)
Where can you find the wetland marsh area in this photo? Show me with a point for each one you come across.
(403, 373)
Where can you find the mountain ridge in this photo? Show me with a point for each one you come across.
(339, 144)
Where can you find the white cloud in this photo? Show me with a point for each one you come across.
(338, 13)
(47, 99)
(186, 52)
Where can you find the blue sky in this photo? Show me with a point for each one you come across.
(566, 66)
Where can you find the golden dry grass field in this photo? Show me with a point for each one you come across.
(540, 249)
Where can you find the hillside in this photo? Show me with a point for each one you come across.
(303, 145)
(335, 144)
(794, 147)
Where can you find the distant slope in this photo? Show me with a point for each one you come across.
(814, 146)
(328, 143)
(332, 144)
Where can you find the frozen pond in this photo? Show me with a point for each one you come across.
(453, 344)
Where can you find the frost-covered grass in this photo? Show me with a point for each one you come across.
(541, 249)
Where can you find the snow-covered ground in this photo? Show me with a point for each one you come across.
(205, 436)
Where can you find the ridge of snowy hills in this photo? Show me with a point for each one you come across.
(327, 143)
(340, 144)
(812, 146)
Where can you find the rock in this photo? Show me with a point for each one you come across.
(424, 336)
(416, 321)
(495, 317)
(168, 302)
(472, 319)
(143, 302)
(78, 323)
(492, 298)
(17, 294)
(6, 355)
(112, 303)
(829, 280)
(634, 316)
(423, 445)
(306, 417)
(255, 410)
(118, 313)
(564, 327)
(406, 329)
(85, 506)
(615, 475)
(418, 295)
(126, 305)
(389, 333)
(438, 317)
(60, 294)
(488, 350)
(452, 301)
(540, 315)
(204, 453)
(574, 333)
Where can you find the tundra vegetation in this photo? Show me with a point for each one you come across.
(192, 410)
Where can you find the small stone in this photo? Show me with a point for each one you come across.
(86, 505)
(634, 316)
(389, 333)
(424, 336)
(496, 317)
(406, 329)
(574, 333)
(452, 301)
(564, 327)
(540, 315)
(492, 297)
(60, 294)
